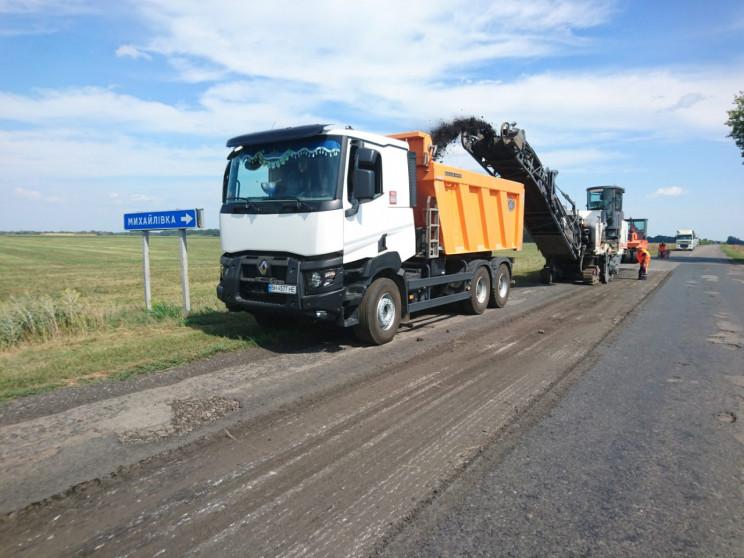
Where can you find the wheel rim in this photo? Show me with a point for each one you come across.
(481, 290)
(503, 285)
(386, 312)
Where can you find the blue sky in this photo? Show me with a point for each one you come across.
(109, 108)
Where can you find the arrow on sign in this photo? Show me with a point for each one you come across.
(187, 218)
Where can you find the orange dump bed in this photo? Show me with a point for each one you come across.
(477, 212)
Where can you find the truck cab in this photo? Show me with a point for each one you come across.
(686, 239)
(637, 229)
(604, 205)
(607, 231)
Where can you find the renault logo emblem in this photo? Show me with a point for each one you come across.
(263, 267)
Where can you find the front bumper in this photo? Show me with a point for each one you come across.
(245, 280)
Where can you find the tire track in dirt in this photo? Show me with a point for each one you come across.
(340, 471)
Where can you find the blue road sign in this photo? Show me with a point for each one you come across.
(158, 220)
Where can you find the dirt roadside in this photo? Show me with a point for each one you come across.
(319, 451)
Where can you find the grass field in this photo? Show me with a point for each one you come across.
(72, 309)
(734, 251)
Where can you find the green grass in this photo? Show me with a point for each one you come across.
(72, 309)
(107, 267)
(527, 263)
(734, 251)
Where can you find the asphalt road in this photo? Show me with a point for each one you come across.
(644, 455)
(328, 448)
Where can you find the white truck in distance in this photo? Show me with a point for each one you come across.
(686, 239)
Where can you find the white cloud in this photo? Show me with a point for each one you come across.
(92, 106)
(348, 47)
(671, 191)
(64, 155)
(351, 58)
(631, 103)
(36, 195)
(27, 194)
(131, 51)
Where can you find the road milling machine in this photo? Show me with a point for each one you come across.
(584, 245)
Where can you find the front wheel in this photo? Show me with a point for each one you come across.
(379, 313)
(501, 287)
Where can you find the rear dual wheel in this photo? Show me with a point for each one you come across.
(501, 287)
(480, 292)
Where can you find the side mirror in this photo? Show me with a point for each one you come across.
(365, 173)
(364, 184)
(364, 178)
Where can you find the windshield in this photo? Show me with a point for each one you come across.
(305, 169)
(637, 224)
(595, 200)
(684, 237)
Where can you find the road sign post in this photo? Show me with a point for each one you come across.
(146, 268)
(180, 219)
(184, 269)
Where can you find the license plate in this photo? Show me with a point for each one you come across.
(282, 289)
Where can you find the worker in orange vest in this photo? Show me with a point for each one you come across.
(644, 258)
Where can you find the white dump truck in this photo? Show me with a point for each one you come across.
(360, 229)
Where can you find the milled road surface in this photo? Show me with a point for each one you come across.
(326, 451)
(644, 456)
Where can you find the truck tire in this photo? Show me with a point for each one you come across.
(480, 292)
(379, 313)
(501, 287)
(546, 276)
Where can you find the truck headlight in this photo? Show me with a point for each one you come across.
(320, 279)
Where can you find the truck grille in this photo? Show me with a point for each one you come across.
(257, 272)
(275, 269)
